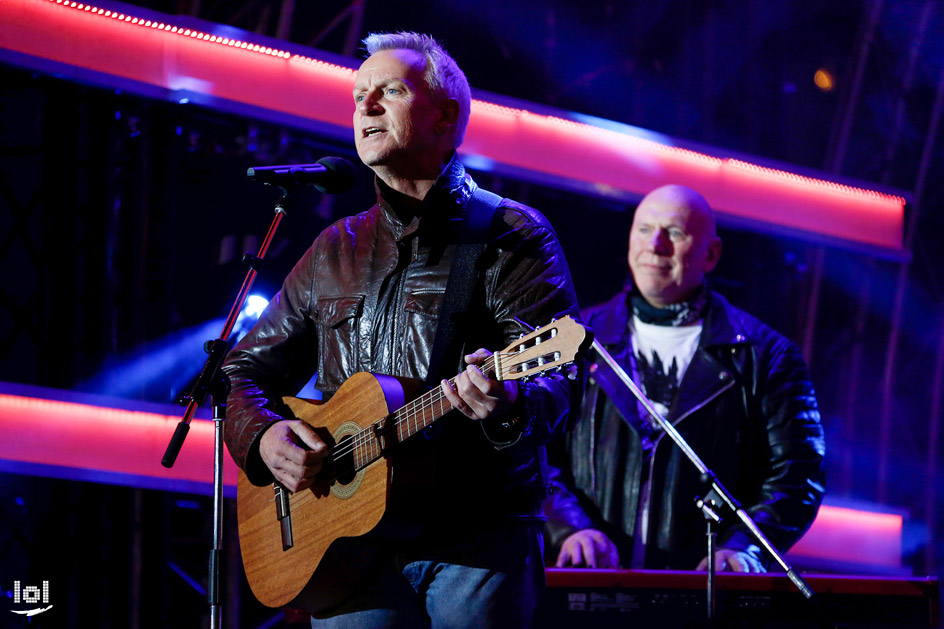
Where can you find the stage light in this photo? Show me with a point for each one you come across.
(165, 364)
(248, 316)
(824, 80)
(254, 306)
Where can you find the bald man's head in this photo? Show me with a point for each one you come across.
(672, 244)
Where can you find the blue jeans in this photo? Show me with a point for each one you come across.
(490, 579)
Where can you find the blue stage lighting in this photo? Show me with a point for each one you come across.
(252, 310)
(254, 306)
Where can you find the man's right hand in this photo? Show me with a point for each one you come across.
(293, 452)
(588, 548)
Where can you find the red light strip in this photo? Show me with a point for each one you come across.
(853, 536)
(169, 56)
(121, 17)
(68, 438)
(826, 186)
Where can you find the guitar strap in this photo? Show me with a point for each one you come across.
(473, 235)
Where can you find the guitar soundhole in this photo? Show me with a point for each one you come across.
(344, 465)
(343, 469)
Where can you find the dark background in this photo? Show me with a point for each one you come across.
(122, 220)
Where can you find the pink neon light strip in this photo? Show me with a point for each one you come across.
(853, 536)
(162, 54)
(71, 436)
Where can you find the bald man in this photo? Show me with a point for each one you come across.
(738, 392)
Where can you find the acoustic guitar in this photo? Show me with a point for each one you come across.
(308, 549)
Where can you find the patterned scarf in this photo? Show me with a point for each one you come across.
(675, 315)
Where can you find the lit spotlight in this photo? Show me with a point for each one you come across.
(167, 364)
(255, 304)
(824, 80)
(252, 310)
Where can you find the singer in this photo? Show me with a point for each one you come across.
(371, 295)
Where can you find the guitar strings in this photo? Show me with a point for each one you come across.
(366, 436)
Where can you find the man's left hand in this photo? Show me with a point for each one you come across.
(727, 560)
(476, 396)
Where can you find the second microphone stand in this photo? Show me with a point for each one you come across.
(717, 496)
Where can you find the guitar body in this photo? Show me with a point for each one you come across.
(322, 565)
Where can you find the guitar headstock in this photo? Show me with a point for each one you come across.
(554, 345)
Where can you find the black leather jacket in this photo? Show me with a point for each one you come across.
(747, 408)
(365, 297)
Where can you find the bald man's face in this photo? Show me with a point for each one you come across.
(672, 245)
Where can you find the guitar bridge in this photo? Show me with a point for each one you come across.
(283, 511)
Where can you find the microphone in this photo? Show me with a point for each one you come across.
(328, 174)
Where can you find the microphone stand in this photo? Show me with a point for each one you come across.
(712, 519)
(717, 496)
(212, 382)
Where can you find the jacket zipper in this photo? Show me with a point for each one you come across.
(645, 499)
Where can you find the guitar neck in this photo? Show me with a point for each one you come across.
(372, 442)
(549, 347)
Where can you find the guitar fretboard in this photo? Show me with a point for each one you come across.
(370, 443)
(552, 346)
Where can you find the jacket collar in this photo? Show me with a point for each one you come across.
(609, 323)
(720, 326)
(448, 194)
(705, 377)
